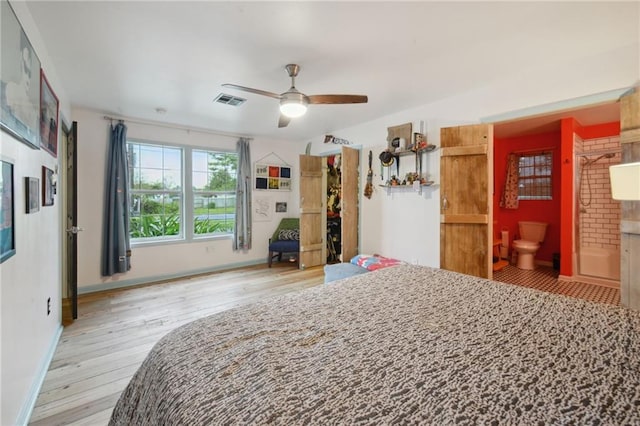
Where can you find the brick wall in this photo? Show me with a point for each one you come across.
(599, 214)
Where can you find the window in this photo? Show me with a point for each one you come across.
(156, 196)
(534, 176)
(162, 208)
(214, 192)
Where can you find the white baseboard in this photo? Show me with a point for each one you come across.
(27, 408)
(148, 280)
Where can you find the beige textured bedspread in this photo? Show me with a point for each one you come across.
(403, 345)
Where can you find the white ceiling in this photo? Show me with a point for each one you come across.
(130, 58)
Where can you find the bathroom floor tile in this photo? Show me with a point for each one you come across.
(546, 279)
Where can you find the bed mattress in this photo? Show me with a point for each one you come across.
(402, 345)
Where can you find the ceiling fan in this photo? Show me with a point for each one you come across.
(293, 103)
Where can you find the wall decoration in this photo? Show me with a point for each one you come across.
(269, 176)
(32, 187)
(20, 85)
(47, 186)
(395, 134)
(262, 209)
(281, 207)
(48, 117)
(333, 139)
(7, 209)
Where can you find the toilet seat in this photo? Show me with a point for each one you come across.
(527, 245)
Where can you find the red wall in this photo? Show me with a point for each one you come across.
(558, 212)
(533, 210)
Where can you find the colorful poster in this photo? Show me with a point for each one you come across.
(272, 177)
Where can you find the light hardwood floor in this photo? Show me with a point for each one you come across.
(100, 351)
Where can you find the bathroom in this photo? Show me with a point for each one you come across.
(583, 221)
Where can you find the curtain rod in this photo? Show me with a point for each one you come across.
(175, 127)
(524, 151)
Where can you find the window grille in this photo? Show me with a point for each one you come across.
(535, 176)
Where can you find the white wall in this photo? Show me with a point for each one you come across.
(406, 225)
(157, 262)
(33, 274)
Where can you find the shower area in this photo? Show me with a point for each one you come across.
(597, 228)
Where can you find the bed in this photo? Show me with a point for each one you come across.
(402, 345)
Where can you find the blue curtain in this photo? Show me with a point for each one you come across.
(242, 229)
(116, 246)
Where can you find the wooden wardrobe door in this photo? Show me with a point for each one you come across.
(312, 234)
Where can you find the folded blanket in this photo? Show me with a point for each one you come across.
(374, 262)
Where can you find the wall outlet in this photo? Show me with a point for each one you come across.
(209, 249)
(48, 306)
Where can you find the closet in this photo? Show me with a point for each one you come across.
(329, 207)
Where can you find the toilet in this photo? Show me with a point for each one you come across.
(531, 235)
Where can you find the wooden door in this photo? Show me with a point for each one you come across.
(312, 234)
(349, 198)
(70, 290)
(630, 210)
(466, 185)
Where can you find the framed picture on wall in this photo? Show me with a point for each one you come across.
(20, 74)
(47, 186)
(48, 117)
(7, 212)
(32, 188)
(272, 177)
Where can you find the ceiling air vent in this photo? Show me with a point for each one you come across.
(223, 98)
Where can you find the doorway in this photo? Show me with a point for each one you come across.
(564, 132)
(69, 184)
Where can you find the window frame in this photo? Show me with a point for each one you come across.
(534, 178)
(187, 193)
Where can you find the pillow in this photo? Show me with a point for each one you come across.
(289, 234)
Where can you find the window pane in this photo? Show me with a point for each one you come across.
(214, 177)
(200, 161)
(150, 179)
(134, 175)
(172, 158)
(150, 156)
(172, 179)
(200, 180)
(534, 176)
(156, 200)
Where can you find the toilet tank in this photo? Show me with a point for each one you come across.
(532, 231)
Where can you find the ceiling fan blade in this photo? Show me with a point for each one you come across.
(338, 99)
(283, 121)
(250, 90)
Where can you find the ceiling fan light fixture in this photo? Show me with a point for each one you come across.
(293, 109)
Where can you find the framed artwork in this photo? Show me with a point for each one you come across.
(281, 207)
(272, 177)
(47, 186)
(32, 187)
(262, 209)
(7, 212)
(20, 84)
(48, 117)
(397, 133)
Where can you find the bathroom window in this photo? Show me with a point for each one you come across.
(534, 176)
